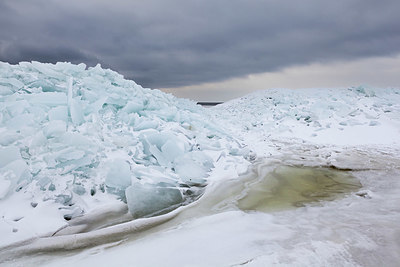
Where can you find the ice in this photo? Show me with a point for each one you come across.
(17, 108)
(43, 182)
(11, 82)
(173, 150)
(143, 125)
(59, 113)
(146, 200)
(90, 131)
(69, 154)
(156, 176)
(46, 86)
(76, 112)
(21, 121)
(9, 154)
(119, 175)
(38, 140)
(5, 90)
(51, 99)
(79, 189)
(20, 170)
(133, 106)
(190, 171)
(165, 146)
(74, 138)
(324, 116)
(12, 174)
(5, 185)
(55, 128)
(13, 169)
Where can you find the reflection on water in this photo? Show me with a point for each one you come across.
(288, 187)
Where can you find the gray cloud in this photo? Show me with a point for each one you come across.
(173, 43)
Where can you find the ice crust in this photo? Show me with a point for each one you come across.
(71, 134)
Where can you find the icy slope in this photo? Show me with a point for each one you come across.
(74, 139)
(340, 117)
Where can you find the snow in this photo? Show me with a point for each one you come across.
(124, 175)
(347, 116)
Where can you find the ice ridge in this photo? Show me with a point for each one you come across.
(68, 133)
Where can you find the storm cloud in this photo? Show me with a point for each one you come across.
(176, 43)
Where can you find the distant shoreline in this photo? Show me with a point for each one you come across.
(209, 103)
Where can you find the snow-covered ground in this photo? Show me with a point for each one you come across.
(86, 158)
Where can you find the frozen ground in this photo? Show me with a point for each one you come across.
(84, 152)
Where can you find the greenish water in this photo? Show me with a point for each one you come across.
(288, 187)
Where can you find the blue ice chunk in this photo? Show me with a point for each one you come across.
(43, 182)
(119, 175)
(39, 113)
(172, 150)
(116, 99)
(11, 82)
(7, 138)
(148, 200)
(76, 112)
(90, 96)
(59, 113)
(46, 85)
(47, 69)
(190, 172)
(146, 124)
(69, 68)
(38, 139)
(55, 128)
(79, 189)
(133, 106)
(164, 146)
(69, 154)
(155, 175)
(5, 186)
(201, 158)
(76, 139)
(160, 138)
(96, 106)
(17, 107)
(9, 154)
(21, 121)
(51, 99)
(4, 90)
(64, 198)
(74, 164)
(154, 151)
(19, 170)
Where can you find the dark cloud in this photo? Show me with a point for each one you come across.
(173, 43)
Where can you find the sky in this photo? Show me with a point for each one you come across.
(212, 50)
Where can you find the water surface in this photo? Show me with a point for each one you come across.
(288, 187)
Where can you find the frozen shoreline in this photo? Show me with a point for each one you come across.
(359, 229)
(72, 149)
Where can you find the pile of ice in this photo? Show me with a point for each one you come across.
(337, 116)
(69, 135)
